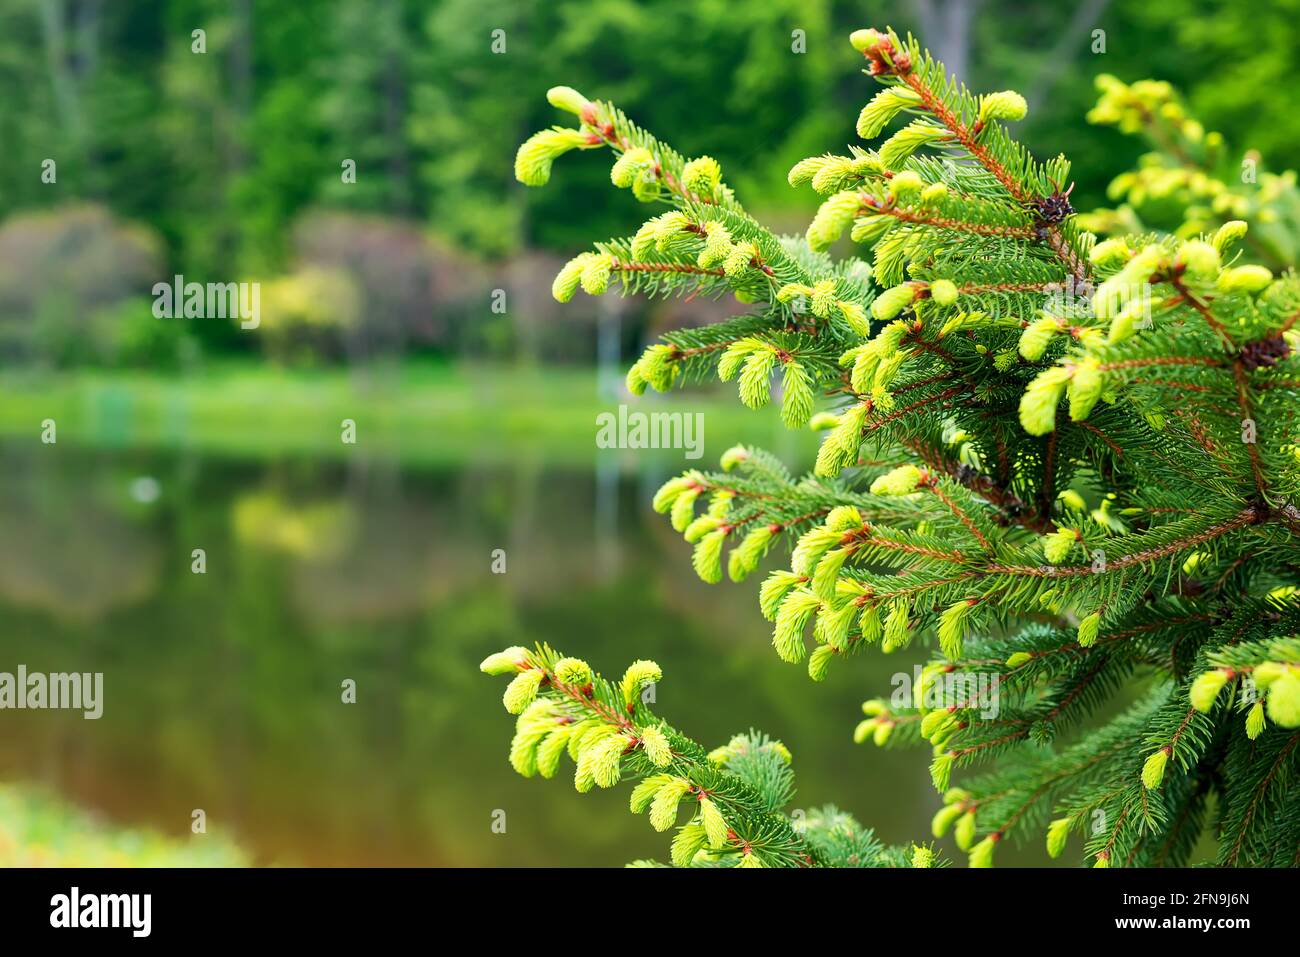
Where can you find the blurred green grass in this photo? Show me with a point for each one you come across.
(39, 830)
(424, 413)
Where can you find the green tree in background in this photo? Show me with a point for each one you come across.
(223, 153)
(472, 104)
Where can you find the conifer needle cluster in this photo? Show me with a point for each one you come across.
(1067, 464)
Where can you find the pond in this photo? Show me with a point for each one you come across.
(222, 690)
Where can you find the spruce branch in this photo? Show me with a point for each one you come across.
(739, 791)
(1068, 466)
(890, 57)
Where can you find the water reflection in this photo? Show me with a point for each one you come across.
(222, 690)
(68, 550)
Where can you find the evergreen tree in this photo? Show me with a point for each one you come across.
(1065, 464)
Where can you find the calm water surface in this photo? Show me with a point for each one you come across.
(222, 690)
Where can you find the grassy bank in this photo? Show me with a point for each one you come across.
(422, 413)
(39, 830)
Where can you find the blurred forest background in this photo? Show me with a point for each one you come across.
(475, 428)
(226, 165)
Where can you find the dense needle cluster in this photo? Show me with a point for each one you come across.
(1064, 459)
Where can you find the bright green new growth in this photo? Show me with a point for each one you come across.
(1069, 466)
(735, 796)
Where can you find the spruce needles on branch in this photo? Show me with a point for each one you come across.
(1066, 466)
